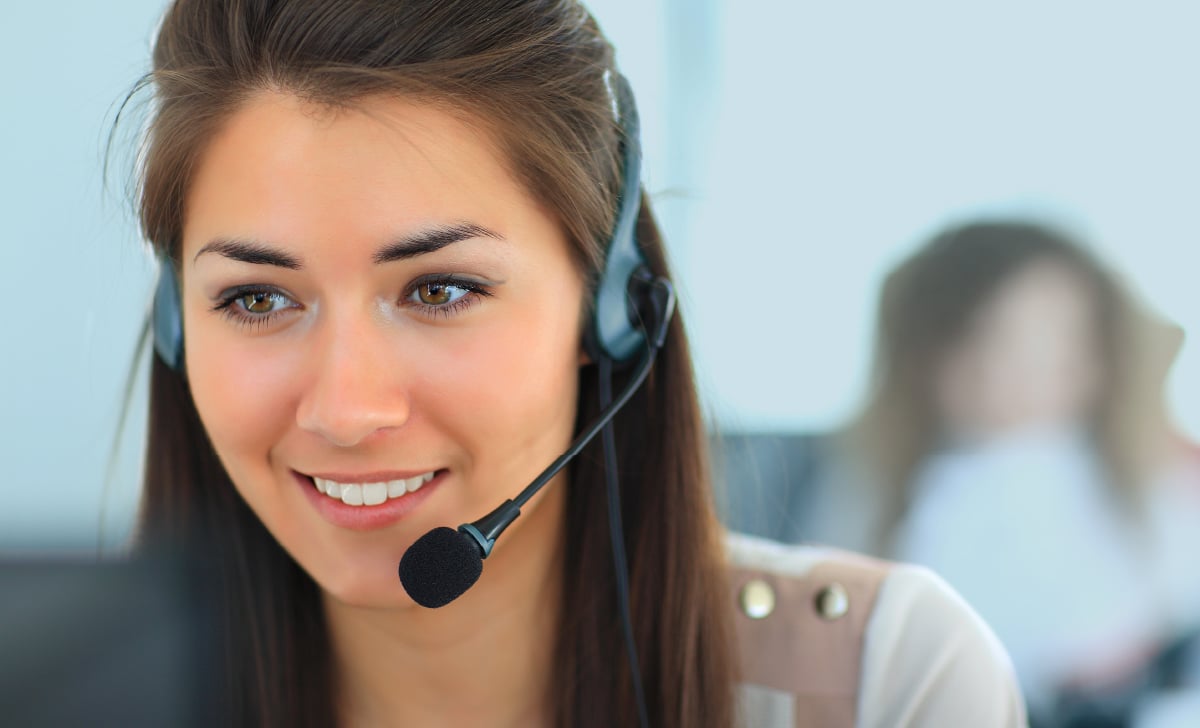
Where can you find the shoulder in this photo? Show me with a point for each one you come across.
(854, 641)
(928, 659)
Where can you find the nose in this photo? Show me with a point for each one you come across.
(357, 386)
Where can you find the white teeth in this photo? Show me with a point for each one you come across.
(352, 495)
(374, 493)
(371, 494)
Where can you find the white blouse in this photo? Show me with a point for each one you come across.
(1026, 530)
(927, 661)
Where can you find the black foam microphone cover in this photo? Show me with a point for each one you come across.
(440, 566)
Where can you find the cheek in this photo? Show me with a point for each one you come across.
(953, 387)
(243, 401)
(508, 392)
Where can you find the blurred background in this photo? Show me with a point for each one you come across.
(939, 262)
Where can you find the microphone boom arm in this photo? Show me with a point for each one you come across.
(486, 530)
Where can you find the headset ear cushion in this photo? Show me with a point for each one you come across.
(655, 297)
(167, 318)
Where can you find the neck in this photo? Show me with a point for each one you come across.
(482, 660)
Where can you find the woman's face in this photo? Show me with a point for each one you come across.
(1030, 358)
(374, 307)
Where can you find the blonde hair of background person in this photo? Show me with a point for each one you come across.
(288, 142)
(928, 305)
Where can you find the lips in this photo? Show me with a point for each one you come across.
(371, 493)
(357, 505)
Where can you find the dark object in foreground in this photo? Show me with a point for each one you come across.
(102, 644)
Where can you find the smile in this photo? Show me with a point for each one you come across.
(370, 494)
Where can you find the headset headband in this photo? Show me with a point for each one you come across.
(615, 333)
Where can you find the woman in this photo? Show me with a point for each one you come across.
(1019, 401)
(387, 221)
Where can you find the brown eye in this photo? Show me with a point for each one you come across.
(435, 294)
(253, 306)
(259, 302)
(444, 296)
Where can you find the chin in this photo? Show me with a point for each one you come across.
(370, 583)
(371, 596)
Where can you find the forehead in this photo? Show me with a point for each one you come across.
(1044, 297)
(283, 169)
(1047, 280)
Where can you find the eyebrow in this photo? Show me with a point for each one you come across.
(408, 246)
(250, 251)
(433, 239)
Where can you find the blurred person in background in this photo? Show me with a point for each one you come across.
(1016, 441)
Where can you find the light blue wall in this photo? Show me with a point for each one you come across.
(71, 269)
(795, 151)
(846, 132)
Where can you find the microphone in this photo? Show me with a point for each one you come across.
(440, 566)
(444, 563)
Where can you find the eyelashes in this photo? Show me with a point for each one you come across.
(439, 296)
(443, 295)
(238, 305)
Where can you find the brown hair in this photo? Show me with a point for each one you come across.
(927, 304)
(533, 72)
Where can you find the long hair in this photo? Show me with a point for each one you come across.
(927, 305)
(534, 73)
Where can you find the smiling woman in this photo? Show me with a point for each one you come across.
(389, 234)
(409, 279)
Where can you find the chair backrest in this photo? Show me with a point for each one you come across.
(766, 480)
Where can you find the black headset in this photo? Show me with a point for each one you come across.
(166, 317)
